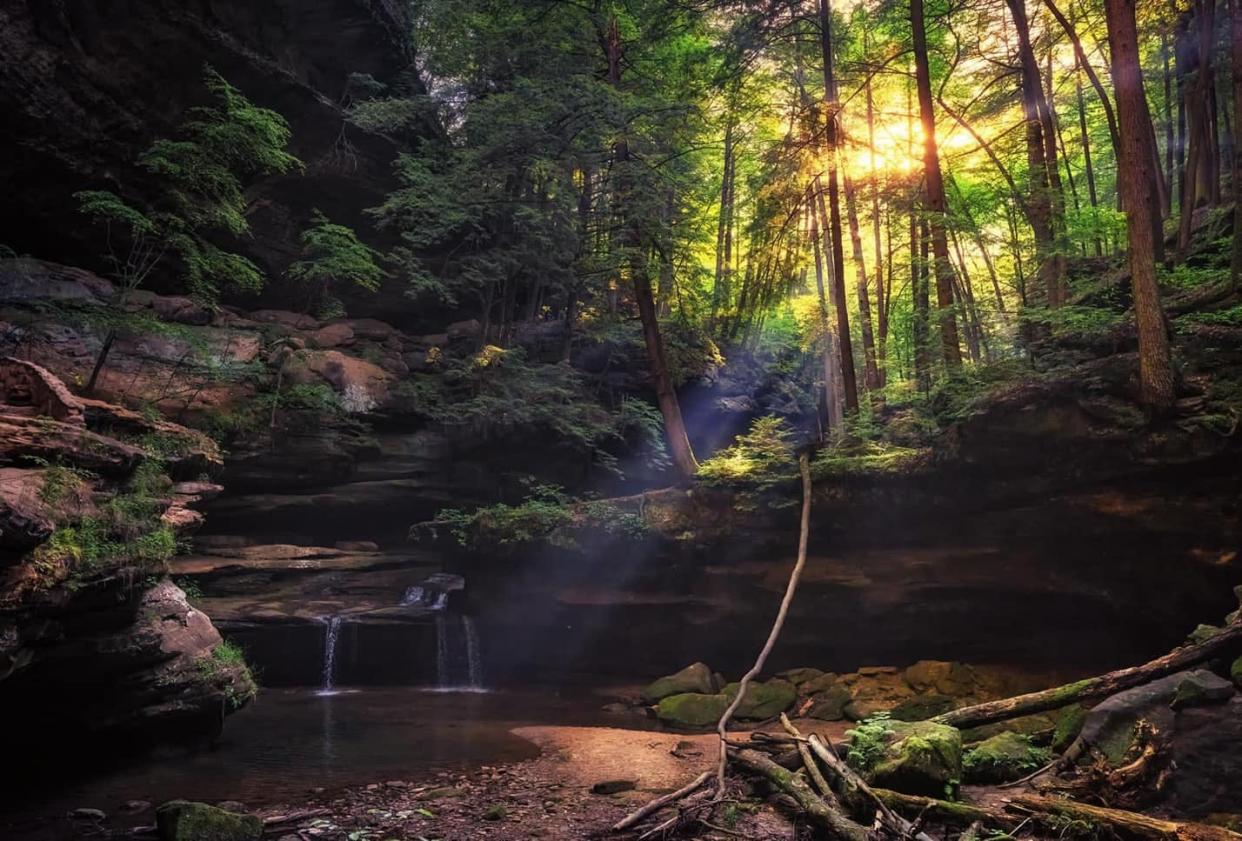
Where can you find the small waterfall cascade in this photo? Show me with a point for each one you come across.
(332, 633)
(458, 664)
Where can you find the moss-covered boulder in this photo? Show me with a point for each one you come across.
(923, 707)
(1068, 726)
(184, 820)
(1002, 759)
(1235, 672)
(692, 709)
(919, 757)
(1202, 633)
(696, 677)
(820, 683)
(763, 700)
(800, 676)
(829, 705)
(1201, 687)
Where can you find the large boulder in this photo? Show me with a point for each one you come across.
(1003, 758)
(185, 820)
(697, 677)
(692, 709)
(829, 705)
(1111, 727)
(762, 700)
(1207, 757)
(917, 758)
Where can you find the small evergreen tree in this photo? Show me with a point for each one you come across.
(202, 176)
(332, 254)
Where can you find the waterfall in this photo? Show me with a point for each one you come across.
(458, 664)
(419, 596)
(332, 632)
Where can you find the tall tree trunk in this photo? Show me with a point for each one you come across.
(1236, 59)
(871, 374)
(922, 301)
(881, 303)
(1201, 179)
(1092, 194)
(666, 395)
(720, 290)
(1168, 123)
(848, 378)
(1041, 165)
(832, 410)
(950, 344)
(1155, 364)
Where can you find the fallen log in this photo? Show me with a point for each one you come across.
(944, 811)
(1227, 641)
(1125, 825)
(817, 808)
(660, 802)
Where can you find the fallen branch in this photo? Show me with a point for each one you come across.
(1228, 640)
(722, 726)
(808, 761)
(1126, 825)
(856, 790)
(820, 811)
(295, 816)
(660, 802)
(944, 811)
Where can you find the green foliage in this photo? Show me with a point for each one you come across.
(499, 392)
(548, 514)
(760, 458)
(63, 483)
(201, 176)
(868, 742)
(332, 254)
(1003, 758)
(865, 458)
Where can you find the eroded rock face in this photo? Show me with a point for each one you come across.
(85, 612)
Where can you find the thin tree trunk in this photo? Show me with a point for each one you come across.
(1236, 58)
(848, 378)
(950, 344)
(881, 304)
(1168, 122)
(825, 326)
(871, 375)
(1155, 364)
(666, 395)
(1092, 195)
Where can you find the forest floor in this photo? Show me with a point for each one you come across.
(549, 797)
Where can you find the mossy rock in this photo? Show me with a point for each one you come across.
(183, 820)
(763, 700)
(1002, 759)
(1235, 672)
(921, 757)
(692, 709)
(1201, 687)
(1069, 725)
(1202, 633)
(696, 677)
(830, 704)
(857, 710)
(923, 707)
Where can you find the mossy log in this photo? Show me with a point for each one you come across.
(1124, 825)
(944, 811)
(819, 810)
(1226, 641)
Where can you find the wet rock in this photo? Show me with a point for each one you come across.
(183, 820)
(333, 336)
(87, 814)
(920, 758)
(696, 677)
(686, 750)
(614, 786)
(692, 709)
(357, 545)
(1235, 672)
(1201, 687)
(133, 807)
(1001, 759)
